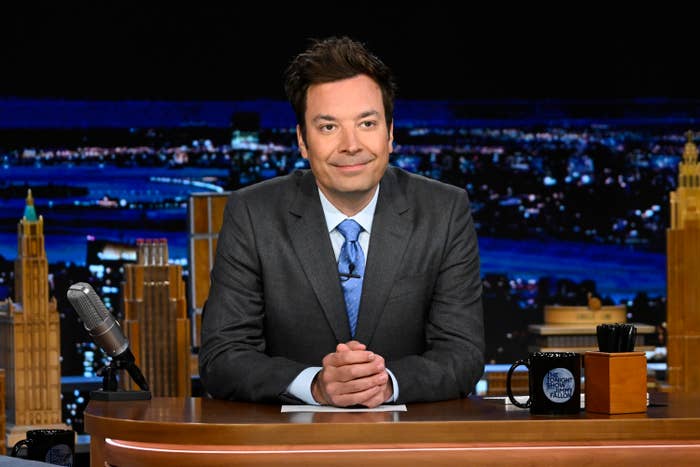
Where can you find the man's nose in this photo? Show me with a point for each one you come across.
(349, 142)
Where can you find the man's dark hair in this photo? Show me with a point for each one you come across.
(335, 59)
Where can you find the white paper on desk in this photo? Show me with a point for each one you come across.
(327, 408)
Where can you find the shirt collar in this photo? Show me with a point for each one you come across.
(334, 216)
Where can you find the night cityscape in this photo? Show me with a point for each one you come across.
(541, 200)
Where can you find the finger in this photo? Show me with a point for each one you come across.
(356, 345)
(337, 387)
(351, 345)
(349, 357)
(345, 373)
(357, 370)
(387, 394)
(374, 401)
(355, 398)
(346, 366)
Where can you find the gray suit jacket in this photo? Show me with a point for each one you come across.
(276, 307)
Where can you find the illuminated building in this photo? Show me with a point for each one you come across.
(683, 264)
(30, 339)
(155, 320)
(105, 260)
(205, 214)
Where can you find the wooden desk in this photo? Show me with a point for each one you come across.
(201, 432)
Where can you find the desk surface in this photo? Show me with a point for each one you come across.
(673, 417)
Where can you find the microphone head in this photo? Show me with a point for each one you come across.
(98, 321)
(88, 305)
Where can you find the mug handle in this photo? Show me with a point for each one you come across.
(19, 445)
(527, 404)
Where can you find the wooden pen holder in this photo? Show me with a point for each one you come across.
(615, 383)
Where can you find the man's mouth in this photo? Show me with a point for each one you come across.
(352, 164)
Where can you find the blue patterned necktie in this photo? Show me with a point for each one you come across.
(351, 268)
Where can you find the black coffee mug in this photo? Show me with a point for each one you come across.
(554, 382)
(52, 446)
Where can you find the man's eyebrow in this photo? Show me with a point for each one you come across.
(324, 117)
(331, 118)
(369, 113)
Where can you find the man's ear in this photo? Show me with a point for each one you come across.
(302, 145)
(391, 137)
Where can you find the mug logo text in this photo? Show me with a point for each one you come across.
(558, 385)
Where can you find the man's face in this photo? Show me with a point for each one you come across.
(347, 141)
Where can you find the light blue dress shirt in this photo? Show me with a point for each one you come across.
(301, 386)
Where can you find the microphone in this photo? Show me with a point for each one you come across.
(349, 274)
(104, 329)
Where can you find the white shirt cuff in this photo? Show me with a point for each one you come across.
(395, 396)
(301, 386)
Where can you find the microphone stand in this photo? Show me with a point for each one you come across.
(110, 390)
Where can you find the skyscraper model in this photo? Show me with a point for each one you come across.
(30, 337)
(683, 270)
(205, 214)
(155, 320)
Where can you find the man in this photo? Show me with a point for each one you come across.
(352, 283)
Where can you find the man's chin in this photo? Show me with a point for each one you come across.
(354, 189)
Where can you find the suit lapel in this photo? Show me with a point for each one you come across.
(307, 228)
(391, 230)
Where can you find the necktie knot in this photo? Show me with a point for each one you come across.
(350, 229)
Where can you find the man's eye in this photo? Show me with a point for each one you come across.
(328, 127)
(368, 124)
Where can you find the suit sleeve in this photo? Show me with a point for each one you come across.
(232, 359)
(453, 360)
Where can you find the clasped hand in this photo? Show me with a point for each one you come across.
(352, 375)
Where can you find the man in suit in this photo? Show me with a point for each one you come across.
(299, 311)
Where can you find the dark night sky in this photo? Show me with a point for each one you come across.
(239, 52)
